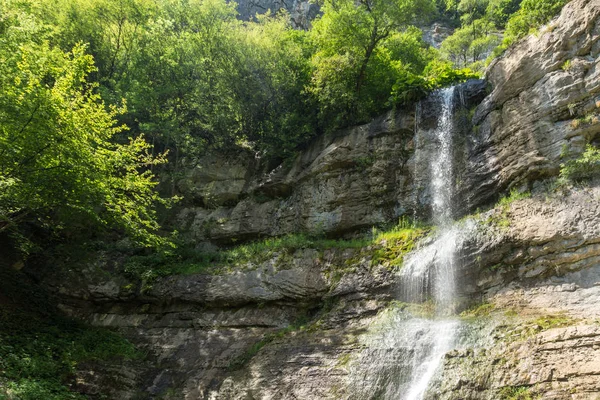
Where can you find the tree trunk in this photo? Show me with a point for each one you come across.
(375, 39)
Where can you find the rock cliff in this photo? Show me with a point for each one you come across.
(311, 323)
(542, 107)
(291, 327)
(355, 179)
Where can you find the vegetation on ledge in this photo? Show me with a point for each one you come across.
(387, 246)
(489, 27)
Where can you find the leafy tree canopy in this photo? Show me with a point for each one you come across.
(488, 27)
(59, 164)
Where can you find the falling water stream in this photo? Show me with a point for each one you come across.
(403, 357)
(429, 274)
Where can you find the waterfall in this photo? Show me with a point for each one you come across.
(429, 274)
(441, 164)
(402, 358)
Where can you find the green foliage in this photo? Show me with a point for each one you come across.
(185, 259)
(528, 328)
(478, 311)
(469, 45)
(582, 168)
(39, 351)
(482, 21)
(552, 321)
(362, 49)
(514, 195)
(393, 245)
(196, 78)
(499, 11)
(531, 15)
(516, 393)
(437, 74)
(500, 216)
(390, 246)
(59, 164)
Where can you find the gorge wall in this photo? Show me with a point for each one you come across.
(352, 180)
(302, 12)
(307, 323)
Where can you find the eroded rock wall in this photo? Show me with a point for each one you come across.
(358, 178)
(298, 325)
(544, 88)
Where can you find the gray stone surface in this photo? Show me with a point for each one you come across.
(237, 335)
(347, 182)
(524, 128)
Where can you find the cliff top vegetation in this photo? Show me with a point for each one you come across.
(94, 94)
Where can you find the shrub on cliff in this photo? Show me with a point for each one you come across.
(531, 15)
(584, 167)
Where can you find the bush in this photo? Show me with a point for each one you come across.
(582, 168)
(531, 15)
(39, 350)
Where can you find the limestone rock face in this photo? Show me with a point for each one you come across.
(201, 331)
(532, 121)
(342, 183)
(360, 177)
(302, 12)
(294, 325)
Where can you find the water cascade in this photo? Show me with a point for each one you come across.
(404, 354)
(429, 274)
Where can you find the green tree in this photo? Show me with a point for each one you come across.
(349, 38)
(531, 15)
(59, 165)
(470, 45)
(499, 11)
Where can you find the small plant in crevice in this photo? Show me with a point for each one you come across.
(566, 66)
(478, 311)
(500, 216)
(582, 168)
(587, 120)
(516, 393)
(365, 162)
(393, 245)
(528, 327)
(515, 195)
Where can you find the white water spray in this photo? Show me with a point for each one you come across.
(429, 274)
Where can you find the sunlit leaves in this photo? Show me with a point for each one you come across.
(59, 163)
